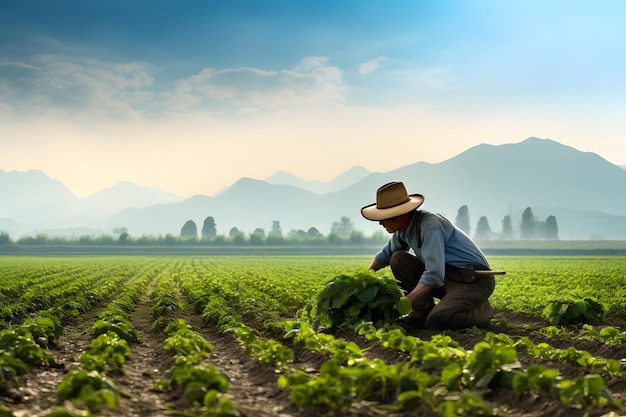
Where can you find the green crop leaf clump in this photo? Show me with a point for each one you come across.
(351, 298)
(89, 387)
(118, 325)
(585, 310)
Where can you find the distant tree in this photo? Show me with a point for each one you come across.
(208, 228)
(5, 239)
(219, 240)
(463, 219)
(189, 229)
(277, 230)
(528, 225)
(85, 240)
(507, 228)
(483, 231)
(552, 229)
(236, 236)
(333, 238)
(123, 238)
(379, 237)
(257, 237)
(275, 236)
(313, 232)
(357, 237)
(342, 229)
(297, 235)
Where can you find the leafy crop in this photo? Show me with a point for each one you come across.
(572, 312)
(91, 388)
(21, 345)
(10, 368)
(107, 352)
(115, 324)
(202, 382)
(269, 352)
(185, 341)
(354, 297)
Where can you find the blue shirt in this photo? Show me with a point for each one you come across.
(442, 243)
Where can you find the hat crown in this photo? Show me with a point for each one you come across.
(390, 195)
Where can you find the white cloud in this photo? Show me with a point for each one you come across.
(311, 82)
(371, 65)
(75, 87)
(87, 89)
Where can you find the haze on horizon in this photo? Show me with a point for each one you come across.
(189, 97)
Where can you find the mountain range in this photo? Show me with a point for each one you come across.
(581, 189)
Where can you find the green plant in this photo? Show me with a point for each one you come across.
(107, 352)
(45, 328)
(268, 352)
(218, 406)
(6, 412)
(586, 310)
(186, 372)
(118, 325)
(354, 297)
(165, 302)
(490, 360)
(10, 368)
(20, 344)
(89, 387)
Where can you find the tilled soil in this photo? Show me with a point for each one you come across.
(253, 387)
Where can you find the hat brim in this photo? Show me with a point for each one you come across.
(373, 213)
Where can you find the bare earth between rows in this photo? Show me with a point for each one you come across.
(253, 387)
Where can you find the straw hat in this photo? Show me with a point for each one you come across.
(392, 200)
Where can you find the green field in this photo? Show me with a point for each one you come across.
(56, 312)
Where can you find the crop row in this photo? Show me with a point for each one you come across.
(264, 303)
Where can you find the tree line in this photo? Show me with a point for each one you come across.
(530, 228)
(342, 232)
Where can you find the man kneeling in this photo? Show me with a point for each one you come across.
(442, 265)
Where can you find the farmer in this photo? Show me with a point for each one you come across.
(441, 266)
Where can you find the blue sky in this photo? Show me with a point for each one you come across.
(190, 96)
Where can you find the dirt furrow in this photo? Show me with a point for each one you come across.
(253, 387)
(36, 393)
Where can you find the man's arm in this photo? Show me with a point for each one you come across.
(376, 264)
(417, 295)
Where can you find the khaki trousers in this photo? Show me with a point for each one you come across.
(461, 305)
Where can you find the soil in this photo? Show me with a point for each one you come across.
(253, 387)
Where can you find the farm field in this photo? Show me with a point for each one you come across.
(229, 335)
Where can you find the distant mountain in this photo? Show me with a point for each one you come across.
(623, 166)
(582, 190)
(33, 202)
(341, 182)
(32, 195)
(127, 194)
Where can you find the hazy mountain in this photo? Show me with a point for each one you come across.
(247, 204)
(341, 182)
(127, 194)
(33, 202)
(579, 188)
(582, 190)
(32, 195)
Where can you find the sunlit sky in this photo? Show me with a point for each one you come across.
(190, 96)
